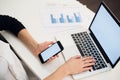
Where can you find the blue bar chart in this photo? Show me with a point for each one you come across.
(65, 18)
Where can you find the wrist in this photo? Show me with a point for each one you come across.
(59, 74)
(35, 49)
(64, 70)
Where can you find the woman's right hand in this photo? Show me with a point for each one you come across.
(74, 65)
(78, 64)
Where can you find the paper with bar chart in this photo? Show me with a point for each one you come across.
(57, 18)
(61, 16)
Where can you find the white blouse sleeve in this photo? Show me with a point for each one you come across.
(3, 68)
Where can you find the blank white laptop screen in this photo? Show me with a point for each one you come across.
(107, 32)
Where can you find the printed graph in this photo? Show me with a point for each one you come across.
(65, 18)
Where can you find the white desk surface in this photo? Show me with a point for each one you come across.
(27, 11)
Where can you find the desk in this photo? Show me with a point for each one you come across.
(27, 11)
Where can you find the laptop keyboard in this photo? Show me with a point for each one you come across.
(87, 48)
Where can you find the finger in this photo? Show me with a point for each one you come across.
(48, 61)
(50, 42)
(57, 55)
(76, 57)
(88, 64)
(87, 69)
(87, 58)
(89, 61)
(52, 58)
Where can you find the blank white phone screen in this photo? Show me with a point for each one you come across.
(52, 50)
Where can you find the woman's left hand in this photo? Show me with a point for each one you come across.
(42, 46)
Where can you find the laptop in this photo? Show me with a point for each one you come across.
(101, 40)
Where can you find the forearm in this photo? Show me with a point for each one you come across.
(59, 74)
(27, 39)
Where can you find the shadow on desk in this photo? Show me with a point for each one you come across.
(114, 5)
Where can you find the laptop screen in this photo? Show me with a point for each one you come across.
(107, 32)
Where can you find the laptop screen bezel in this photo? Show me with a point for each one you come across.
(95, 39)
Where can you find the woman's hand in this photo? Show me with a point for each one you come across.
(73, 66)
(77, 64)
(42, 46)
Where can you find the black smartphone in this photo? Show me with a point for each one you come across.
(53, 50)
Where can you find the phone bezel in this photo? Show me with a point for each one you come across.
(61, 49)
